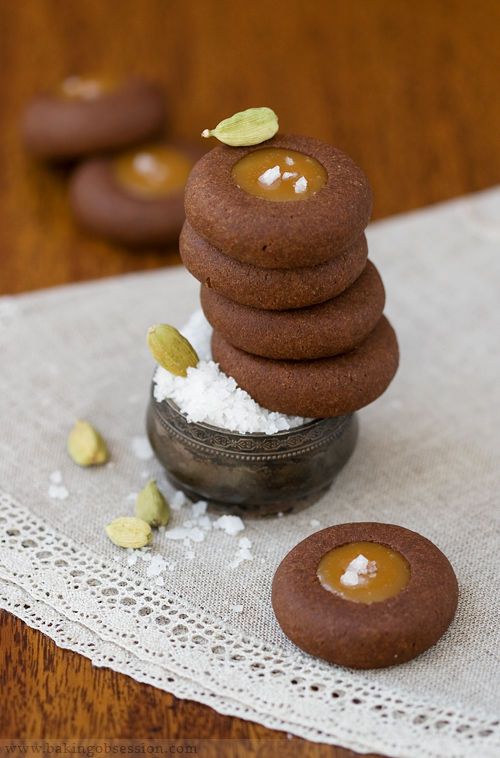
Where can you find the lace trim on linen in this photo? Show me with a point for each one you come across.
(117, 619)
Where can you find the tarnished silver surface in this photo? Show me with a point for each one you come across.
(250, 474)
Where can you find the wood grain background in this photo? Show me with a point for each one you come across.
(410, 89)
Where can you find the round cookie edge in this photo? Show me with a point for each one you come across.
(363, 636)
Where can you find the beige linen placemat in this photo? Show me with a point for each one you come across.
(192, 615)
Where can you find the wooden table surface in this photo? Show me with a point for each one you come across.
(409, 89)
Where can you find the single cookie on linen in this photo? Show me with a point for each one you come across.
(365, 595)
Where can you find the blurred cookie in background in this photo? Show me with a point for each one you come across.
(135, 197)
(94, 114)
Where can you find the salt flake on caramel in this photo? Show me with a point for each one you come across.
(270, 176)
(358, 571)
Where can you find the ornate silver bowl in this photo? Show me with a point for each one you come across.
(250, 474)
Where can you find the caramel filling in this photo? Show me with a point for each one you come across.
(154, 171)
(275, 173)
(86, 88)
(364, 572)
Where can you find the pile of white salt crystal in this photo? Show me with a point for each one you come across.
(208, 396)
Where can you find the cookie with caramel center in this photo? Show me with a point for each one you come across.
(365, 635)
(274, 234)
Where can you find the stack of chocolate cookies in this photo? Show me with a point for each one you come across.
(275, 234)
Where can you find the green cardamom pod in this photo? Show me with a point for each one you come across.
(171, 349)
(86, 446)
(128, 531)
(250, 127)
(151, 506)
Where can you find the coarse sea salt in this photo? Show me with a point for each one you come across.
(243, 553)
(142, 448)
(208, 396)
(56, 477)
(185, 533)
(270, 176)
(177, 500)
(229, 524)
(301, 184)
(358, 571)
(58, 492)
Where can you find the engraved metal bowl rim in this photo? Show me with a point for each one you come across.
(310, 436)
(221, 430)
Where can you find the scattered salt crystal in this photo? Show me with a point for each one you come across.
(145, 557)
(177, 533)
(314, 522)
(190, 555)
(132, 496)
(205, 523)
(187, 534)
(289, 174)
(200, 508)
(55, 477)
(131, 560)
(159, 581)
(196, 535)
(230, 524)
(236, 608)
(270, 176)
(289, 160)
(142, 449)
(156, 566)
(177, 500)
(301, 184)
(58, 492)
(243, 553)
